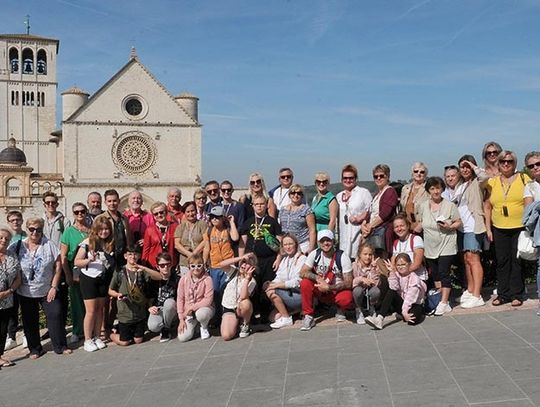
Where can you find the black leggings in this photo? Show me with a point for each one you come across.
(392, 302)
(5, 315)
(55, 324)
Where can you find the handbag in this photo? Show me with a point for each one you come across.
(525, 248)
(432, 300)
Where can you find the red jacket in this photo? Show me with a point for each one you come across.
(152, 244)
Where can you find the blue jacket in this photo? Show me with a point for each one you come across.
(531, 220)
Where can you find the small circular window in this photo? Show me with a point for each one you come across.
(134, 107)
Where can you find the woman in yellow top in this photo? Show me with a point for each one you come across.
(504, 212)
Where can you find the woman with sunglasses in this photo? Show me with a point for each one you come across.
(354, 204)
(163, 314)
(195, 300)
(297, 219)
(69, 245)
(200, 197)
(414, 193)
(41, 272)
(96, 261)
(159, 237)
(532, 194)
(189, 235)
(324, 204)
(504, 215)
(257, 188)
(377, 229)
(10, 279)
(490, 155)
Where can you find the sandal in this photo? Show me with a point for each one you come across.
(36, 355)
(516, 303)
(498, 301)
(6, 363)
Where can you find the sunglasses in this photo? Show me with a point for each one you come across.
(506, 162)
(13, 220)
(196, 266)
(212, 191)
(50, 203)
(158, 213)
(296, 193)
(81, 212)
(321, 182)
(212, 217)
(493, 152)
(162, 265)
(226, 190)
(35, 230)
(419, 171)
(285, 176)
(533, 165)
(255, 182)
(348, 178)
(379, 176)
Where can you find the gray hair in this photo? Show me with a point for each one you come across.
(419, 164)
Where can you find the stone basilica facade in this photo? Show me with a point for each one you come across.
(130, 134)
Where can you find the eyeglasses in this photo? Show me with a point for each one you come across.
(162, 265)
(506, 162)
(226, 190)
(379, 176)
(212, 217)
(285, 176)
(492, 152)
(158, 213)
(296, 193)
(533, 165)
(212, 191)
(13, 220)
(196, 266)
(321, 181)
(255, 182)
(200, 197)
(80, 212)
(35, 230)
(419, 171)
(50, 203)
(348, 178)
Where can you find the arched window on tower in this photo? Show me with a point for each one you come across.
(31, 98)
(13, 188)
(41, 65)
(14, 60)
(13, 98)
(35, 188)
(42, 98)
(28, 61)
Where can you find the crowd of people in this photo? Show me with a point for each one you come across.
(215, 264)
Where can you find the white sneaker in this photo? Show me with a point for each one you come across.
(74, 339)
(473, 302)
(90, 346)
(99, 343)
(282, 322)
(307, 323)
(360, 317)
(244, 330)
(443, 308)
(465, 296)
(376, 321)
(10, 344)
(204, 333)
(340, 316)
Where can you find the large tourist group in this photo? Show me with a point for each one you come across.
(218, 266)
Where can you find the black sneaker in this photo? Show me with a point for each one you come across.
(165, 335)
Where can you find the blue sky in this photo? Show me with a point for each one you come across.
(316, 84)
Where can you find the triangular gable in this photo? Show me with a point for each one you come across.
(132, 78)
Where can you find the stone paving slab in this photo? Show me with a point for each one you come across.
(462, 359)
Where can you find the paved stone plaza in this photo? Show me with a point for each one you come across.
(480, 359)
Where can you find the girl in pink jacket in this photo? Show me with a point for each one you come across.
(405, 296)
(195, 300)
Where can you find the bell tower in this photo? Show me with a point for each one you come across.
(28, 88)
